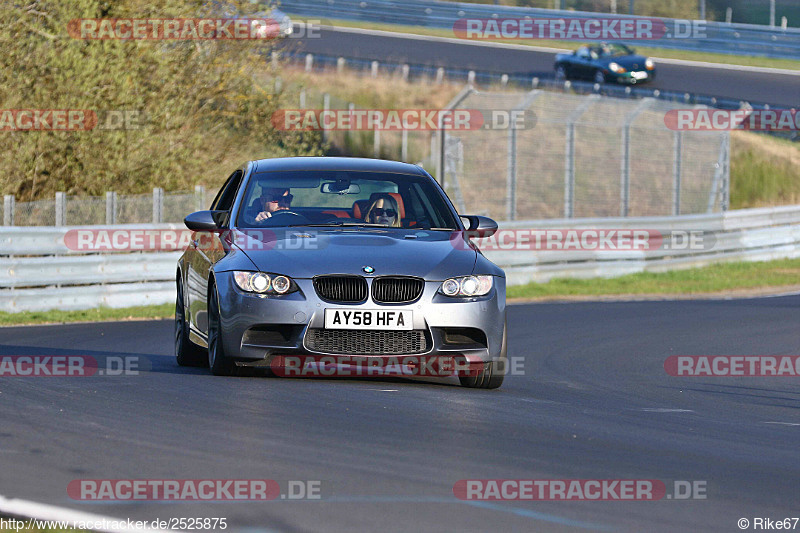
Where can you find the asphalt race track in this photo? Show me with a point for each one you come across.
(593, 402)
(732, 83)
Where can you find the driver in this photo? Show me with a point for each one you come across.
(271, 201)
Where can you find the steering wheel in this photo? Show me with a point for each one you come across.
(286, 213)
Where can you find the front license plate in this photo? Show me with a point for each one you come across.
(640, 75)
(368, 319)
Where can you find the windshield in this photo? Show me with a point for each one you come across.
(344, 198)
(613, 50)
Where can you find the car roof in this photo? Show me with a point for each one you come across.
(354, 164)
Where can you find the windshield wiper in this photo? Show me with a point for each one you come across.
(337, 224)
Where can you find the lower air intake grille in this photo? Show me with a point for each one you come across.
(348, 289)
(355, 342)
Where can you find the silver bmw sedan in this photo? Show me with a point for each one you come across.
(352, 261)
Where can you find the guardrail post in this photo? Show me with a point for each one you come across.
(158, 205)
(439, 75)
(8, 210)
(309, 62)
(504, 80)
(374, 69)
(199, 198)
(326, 105)
(61, 209)
(405, 69)
(340, 65)
(111, 207)
(404, 145)
(677, 155)
(471, 77)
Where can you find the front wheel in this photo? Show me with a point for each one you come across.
(218, 362)
(492, 374)
(599, 77)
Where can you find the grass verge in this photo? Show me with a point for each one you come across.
(88, 315)
(741, 278)
(666, 53)
(724, 278)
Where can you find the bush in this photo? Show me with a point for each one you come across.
(203, 112)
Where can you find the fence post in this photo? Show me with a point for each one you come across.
(374, 69)
(61, 209)
(158, 205)
(347, 136)
(309, 62)
(8, 210)
(405, 70)
(376, 143)
(726, 176)
(274, 59)
(511, 178)
(404, 145)
(111, 207)
(439, 75)
(199, 198)
(677, 156)
(302, 98)
(340, 65)
(440, 149)
(326, 105)
(625, 175)
(569, 155)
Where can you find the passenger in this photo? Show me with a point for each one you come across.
(383, 210)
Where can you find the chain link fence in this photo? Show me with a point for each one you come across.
(580, 156)
(65, 210)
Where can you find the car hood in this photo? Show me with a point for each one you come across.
(627, 62)
(308, 252)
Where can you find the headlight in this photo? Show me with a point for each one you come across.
(615, 67)
(649, 64)
(467, 286)
(263, 283)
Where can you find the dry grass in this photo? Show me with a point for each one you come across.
(765, 171)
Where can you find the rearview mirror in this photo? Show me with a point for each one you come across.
(480, 226)
(204, 220)
(338, 187)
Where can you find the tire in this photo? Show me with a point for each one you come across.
(492, 374)
(187, 353)
(599, 77)
(561, 73)
(218, 362)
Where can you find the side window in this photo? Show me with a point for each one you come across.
(226, 195)
(583, 53)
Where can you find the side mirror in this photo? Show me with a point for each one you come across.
(481, 227)
(204, 220)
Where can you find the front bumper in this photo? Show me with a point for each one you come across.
(632, 78)
(258, 327)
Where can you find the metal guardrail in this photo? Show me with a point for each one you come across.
(747, 39)
(58, 279)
